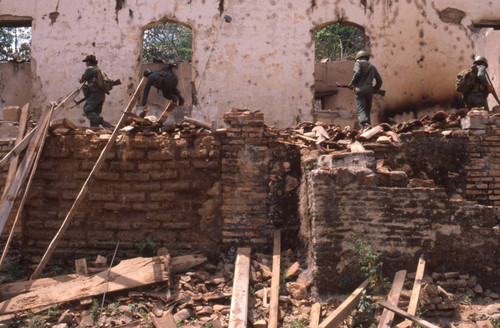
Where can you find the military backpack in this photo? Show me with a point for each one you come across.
(466, 80)
(104, 83)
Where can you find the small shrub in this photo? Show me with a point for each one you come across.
(94, 310)
(370, 263)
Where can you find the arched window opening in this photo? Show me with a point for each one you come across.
(335, 48)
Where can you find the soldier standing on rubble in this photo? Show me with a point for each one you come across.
(362, 84)
(477, 97)
(166, 81)
(94, 95)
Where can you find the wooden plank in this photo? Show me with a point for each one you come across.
(343, 311)
(23, 169)
(128, 274)
(315, 315)
(23, 118)
(239, 299)
(415, 294)
(166, 113)
(404, 314)
(198, 122)
(90, 178)
(393, 299)
(26, 191)
(275, 281)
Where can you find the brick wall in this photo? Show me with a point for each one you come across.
(346, 195)
(163, 187)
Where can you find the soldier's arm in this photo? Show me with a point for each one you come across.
(481, 75)
(357, 73)
(145, 93)
(378, 80)
(86, 75)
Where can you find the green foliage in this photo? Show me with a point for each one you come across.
(54, 311)
(94, 310)
(15, 44)
(365, 315)
(168, 42)
(370, 263)
(468, 299)
(148, 243)
(495, 324)
(297, 323)
(133, 307)
(338, 41)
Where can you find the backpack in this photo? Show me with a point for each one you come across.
(466, 80)
(104, 83)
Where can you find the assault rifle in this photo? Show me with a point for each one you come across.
(379, 91)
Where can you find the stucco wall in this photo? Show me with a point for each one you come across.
(264, 58)
(15, 84)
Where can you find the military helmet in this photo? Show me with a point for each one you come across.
(147, 72)
(481, 59)
(362, 54)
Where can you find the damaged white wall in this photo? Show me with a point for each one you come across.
(263, 59)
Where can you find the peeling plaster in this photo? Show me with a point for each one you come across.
(451, 15)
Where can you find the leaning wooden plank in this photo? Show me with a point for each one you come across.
(26, 191)
(343, 311)
(315, 315)
(90, 178)
(13, 164)
(275, 281)
(23, 169)
(128, 274)
(179, 264)
(198, 122)
(415, 294)
(24, 143)
(166, 113)
(404, 314)
(239, 299)
(393, 299)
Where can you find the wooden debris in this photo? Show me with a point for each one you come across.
(166, 113)
(340, 313)
(166, 321)
(393, 298)
(367, 135)
(398, 311)
(239, 300)
(198, 123)
(315, 315)
(128, 274)
(275, 281)
(417, 285)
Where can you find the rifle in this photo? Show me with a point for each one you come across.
(78, 102)
(379, 91)
(494, 93)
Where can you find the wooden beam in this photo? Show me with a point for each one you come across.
(415, 294)
(239, 299)
(23, 169)
(404, 314)
(343, 311)
(393, 299)
(315, 315)
(128, 274)
(23, 118)
(17, 149)
(26, 191)
(90, 178)
(198, 122)
(166, 113)
(275, 281)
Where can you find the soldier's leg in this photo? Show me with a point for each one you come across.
(368, 111)
(178, 94)
(93, 107)
(361, 107)
(477, 99)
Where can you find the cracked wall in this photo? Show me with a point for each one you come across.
(263, 59)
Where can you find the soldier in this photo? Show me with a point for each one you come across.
(362, 84)
(94, 95)
(477, 97)
(166, 81)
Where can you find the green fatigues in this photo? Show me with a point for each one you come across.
(478, 97)
(95, 98)
(362, 80)
(166, 81)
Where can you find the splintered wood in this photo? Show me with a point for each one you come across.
(128, 274)
(239, 300)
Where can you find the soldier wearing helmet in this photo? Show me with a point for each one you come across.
(477, 97)
(94, 95)
(166, 81)
(362, 84)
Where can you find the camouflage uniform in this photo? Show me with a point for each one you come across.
(166, 81)
(95, 98)
(479, 94)
(362, 79)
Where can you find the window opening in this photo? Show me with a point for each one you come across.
(15, 44)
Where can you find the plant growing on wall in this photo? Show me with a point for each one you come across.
(338, 41)
(370, 263)
(167, 42)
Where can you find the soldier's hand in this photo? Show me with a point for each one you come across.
(491, 89)
(351, 86)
